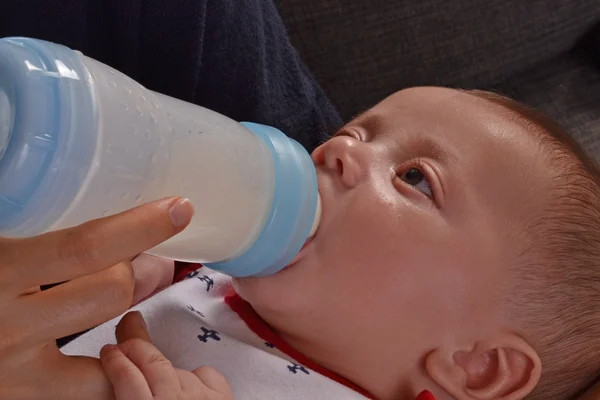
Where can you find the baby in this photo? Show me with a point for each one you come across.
(457, 253)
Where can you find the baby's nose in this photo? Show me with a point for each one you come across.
(346, 156)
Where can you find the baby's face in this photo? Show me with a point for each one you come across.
(422, 196)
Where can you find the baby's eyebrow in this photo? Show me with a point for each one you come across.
(431, 147)
(420, 142)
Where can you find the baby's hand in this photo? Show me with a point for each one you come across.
(137, 370)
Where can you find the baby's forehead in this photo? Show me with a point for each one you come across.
(456, 120)
(436, 104)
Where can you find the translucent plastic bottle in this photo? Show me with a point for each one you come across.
(79, 140)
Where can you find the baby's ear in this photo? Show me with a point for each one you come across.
(506, 368)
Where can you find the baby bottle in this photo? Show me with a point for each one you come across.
(79, 141)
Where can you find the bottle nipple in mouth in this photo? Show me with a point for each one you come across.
(317, 220)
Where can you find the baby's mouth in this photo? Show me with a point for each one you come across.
(308, 241)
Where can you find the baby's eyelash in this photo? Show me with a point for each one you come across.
(350, 133)
(420, 165)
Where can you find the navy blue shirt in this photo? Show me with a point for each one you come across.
(231, 56)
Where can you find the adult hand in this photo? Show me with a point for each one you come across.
(138, 370)
(94, 259)
(152, 274)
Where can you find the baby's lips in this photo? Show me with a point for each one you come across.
(425, 395)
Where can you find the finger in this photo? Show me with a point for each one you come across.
(192, 385)
(214, 380)
(151, 275)
(67, 254)
(156, 368)
(132, 326)
(127, 380)
(74, 306)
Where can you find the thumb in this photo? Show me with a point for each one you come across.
(213, 380)
(132, 326)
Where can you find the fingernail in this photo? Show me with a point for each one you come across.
(181, 213)
(142, 320)
(107, 349)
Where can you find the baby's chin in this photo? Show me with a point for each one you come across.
(275, 293)
(258, 289)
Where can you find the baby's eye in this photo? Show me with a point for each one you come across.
(415, 177)
(350, 133)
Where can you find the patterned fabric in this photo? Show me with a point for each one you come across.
(201, 321)
(234, 335)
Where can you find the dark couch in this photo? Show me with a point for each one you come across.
(543, 52)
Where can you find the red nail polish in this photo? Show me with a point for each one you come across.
(425, 395)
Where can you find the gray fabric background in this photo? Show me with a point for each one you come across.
(543, 52)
